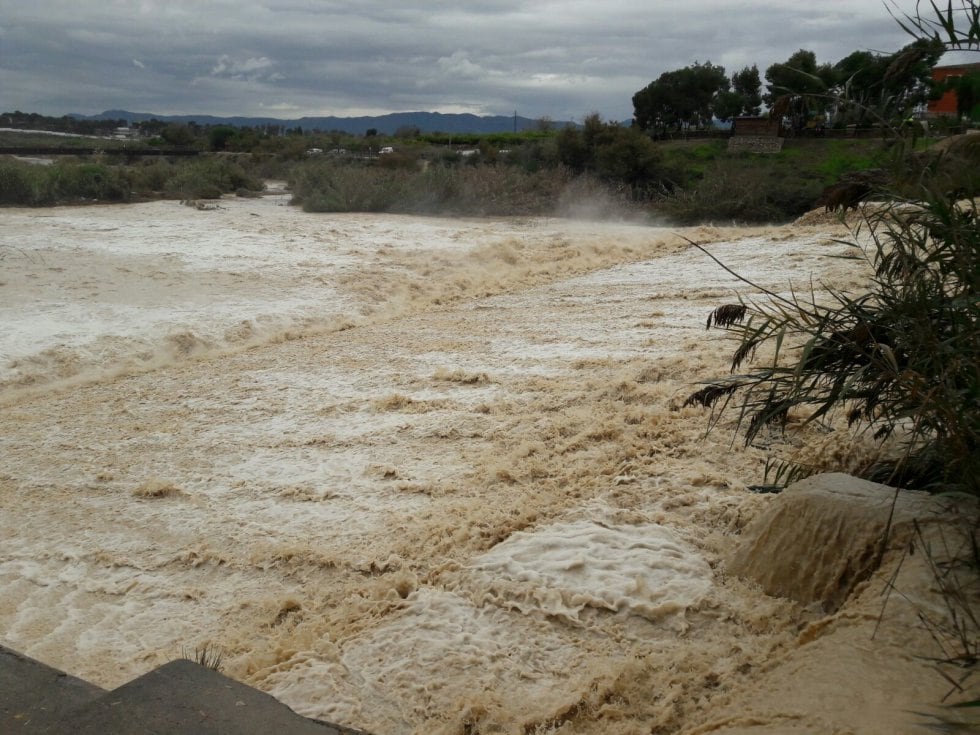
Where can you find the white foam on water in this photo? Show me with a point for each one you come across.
(107, 289)
(411, 475)
(399, 668)
(565, 569)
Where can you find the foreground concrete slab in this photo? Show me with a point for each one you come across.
(184, 698)
(35, 697)
(179, 698)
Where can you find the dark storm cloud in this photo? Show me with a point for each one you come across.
(286, 58)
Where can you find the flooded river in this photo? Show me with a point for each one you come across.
(410, 475)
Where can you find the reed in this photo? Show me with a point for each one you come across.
(900, 362)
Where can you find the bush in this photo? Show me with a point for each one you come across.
(328, 186)
(17, 183)
(951, 166)
(208, 178)
(64, 182)
(87, 181)
(69, 181)
(624, 156)
(732, 191)
(900, 362)
(497, 190)
(151, 177)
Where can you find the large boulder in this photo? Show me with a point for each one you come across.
(826, 534)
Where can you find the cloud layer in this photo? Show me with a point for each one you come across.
(289, 58)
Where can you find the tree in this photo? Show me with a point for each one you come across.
(626, 155)
(798, 75)
(572, 151)
(408, 131)
(178, 135)
(220, 135)
(618, 155)
(748, 86)
(861, 74)
(745, 97)
(885, 88)
(680, 98)
(592, 128)
(727, 105)
(799, 89)
(967, 88)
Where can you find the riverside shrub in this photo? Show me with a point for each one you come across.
(484, 190)
(900, 362)
(31, 185)
(70, 181)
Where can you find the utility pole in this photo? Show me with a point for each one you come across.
(515, 121)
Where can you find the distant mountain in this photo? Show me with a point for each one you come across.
(427, 122)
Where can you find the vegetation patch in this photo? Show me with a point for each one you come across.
(73, 180)
(898, 363)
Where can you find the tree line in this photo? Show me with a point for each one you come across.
(863, 88)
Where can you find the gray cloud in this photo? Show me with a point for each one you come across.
(290, 58)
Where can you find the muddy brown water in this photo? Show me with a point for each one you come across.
(410, 475)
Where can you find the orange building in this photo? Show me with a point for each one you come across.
(946, 105)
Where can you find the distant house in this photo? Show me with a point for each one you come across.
(755, 135)
(125, 133)
(755, 127)
(946, 105)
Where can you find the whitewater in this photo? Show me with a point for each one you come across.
(412, 475)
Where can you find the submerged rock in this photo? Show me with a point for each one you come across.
(826, 534)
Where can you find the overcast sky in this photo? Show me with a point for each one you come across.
(290, 58)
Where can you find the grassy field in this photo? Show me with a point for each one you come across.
(715, 185)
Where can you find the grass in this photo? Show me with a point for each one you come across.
(29, 139)
(697, 180)
(742, 190)
(844, 157)
(952, 556)
(209, 656)
(712, 185)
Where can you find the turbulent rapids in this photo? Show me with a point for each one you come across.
(409, 475)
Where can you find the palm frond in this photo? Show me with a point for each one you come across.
(727, 315)
(711, 394)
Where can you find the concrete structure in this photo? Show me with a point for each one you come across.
(755, 135)
(179, 698)
(755, 127)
